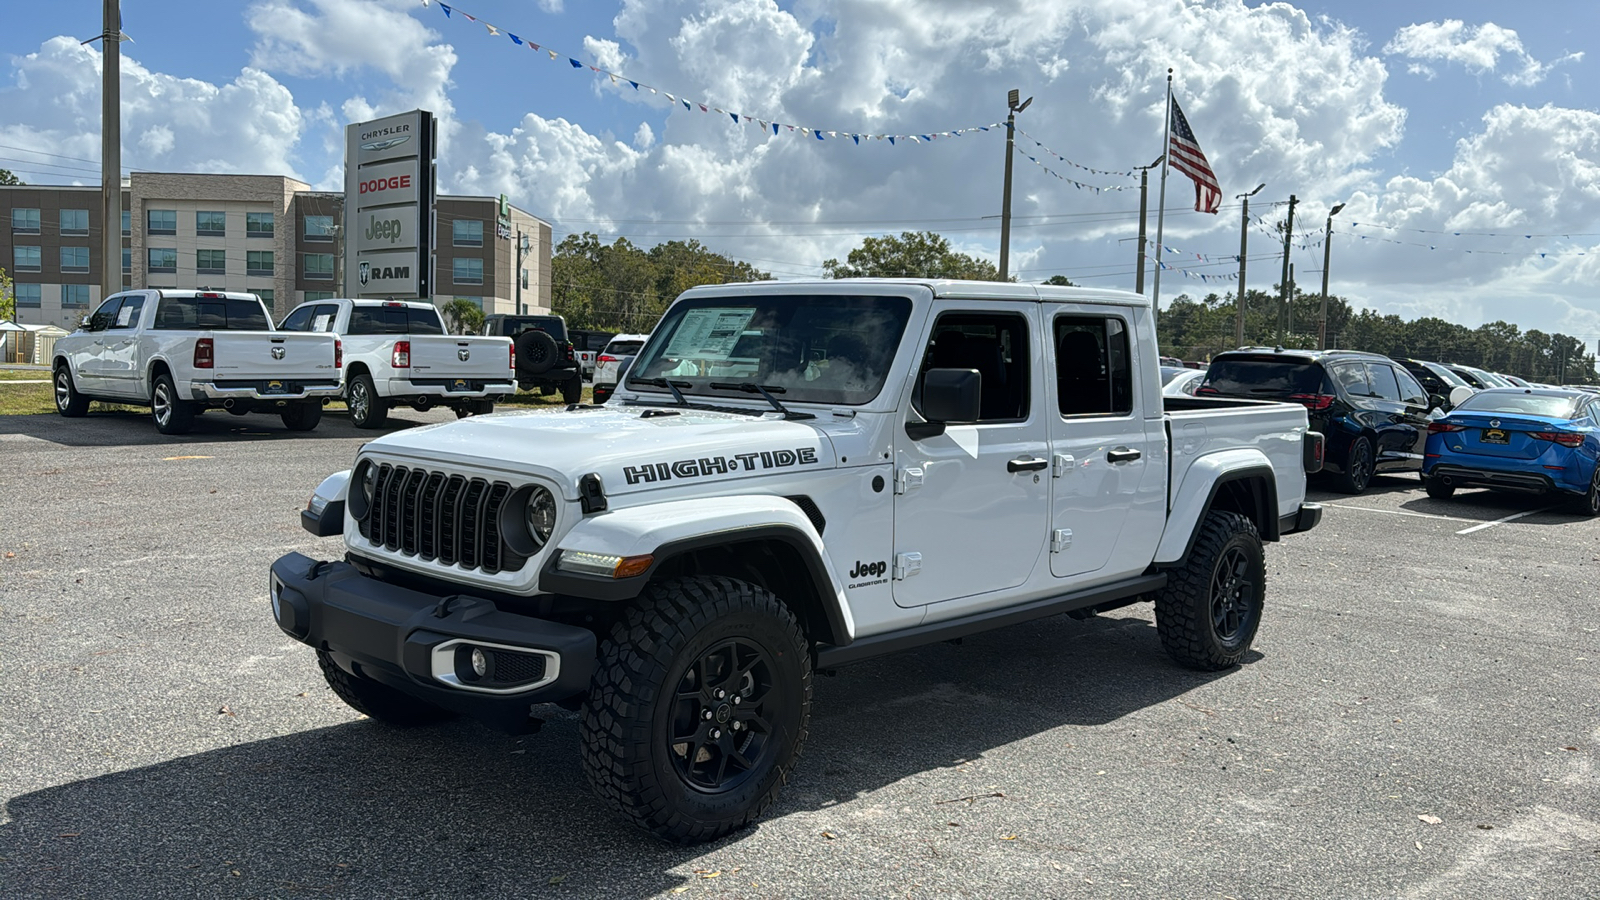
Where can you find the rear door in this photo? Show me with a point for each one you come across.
(972, 503)
(1400, 425)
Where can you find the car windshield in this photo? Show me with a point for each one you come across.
(1445, 375)
(623, 348)
(1246, 376)
(1489, 379)
(1556, 406)
(816, 348)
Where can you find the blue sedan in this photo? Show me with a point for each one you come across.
(1518, 439)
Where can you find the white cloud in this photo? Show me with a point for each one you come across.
(1479, 48)
(551, 6)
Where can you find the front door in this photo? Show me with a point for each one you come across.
(972, 503)
(89, 359)
(120, 361)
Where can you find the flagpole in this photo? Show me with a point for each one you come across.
(1161, 203)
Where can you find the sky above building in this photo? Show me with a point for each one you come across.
(1462, 137)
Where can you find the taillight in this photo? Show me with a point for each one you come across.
(569, 351)
(602, 359)
(1564, 438)
(513, 349)
(1205, 389)
(204, 357)
(1444, 427)
(338, 353)
(1313, 401)
(402, 355)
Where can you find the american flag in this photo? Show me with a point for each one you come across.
(1185, 155)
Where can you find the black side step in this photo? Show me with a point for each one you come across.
(829, 656)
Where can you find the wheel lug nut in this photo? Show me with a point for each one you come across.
(716, 734)
(707, 715)
(736, 699)
(721, 693)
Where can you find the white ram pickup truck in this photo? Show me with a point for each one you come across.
(791, 477)
(182, 352)
(398, 354)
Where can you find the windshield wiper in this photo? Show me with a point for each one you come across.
(669, 385)
(766, 391)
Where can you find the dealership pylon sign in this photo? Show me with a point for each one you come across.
(388, 206)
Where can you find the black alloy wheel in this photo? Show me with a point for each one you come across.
(719, 731)
(1358, 467)
(1589, 504)
(1234, 602)
(1209, 611)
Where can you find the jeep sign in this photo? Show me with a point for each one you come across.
(388, 206)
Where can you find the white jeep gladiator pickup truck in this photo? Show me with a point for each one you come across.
(398, 353)
(181, 352)
(791, 477)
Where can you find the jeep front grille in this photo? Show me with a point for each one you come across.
(437, 517)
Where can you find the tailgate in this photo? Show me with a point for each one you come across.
(257, 355)
(450, 356)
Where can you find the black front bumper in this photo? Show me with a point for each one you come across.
(389, 634)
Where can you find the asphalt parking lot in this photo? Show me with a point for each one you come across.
(1420, 719)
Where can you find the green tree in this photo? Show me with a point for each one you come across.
(8, 298)
(620, 287)
(463, 315)
(914, 254)
(1059, 280)
(6, 177)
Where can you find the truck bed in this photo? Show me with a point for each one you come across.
(1200, 426)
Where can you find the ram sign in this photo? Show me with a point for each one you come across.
(388, 206)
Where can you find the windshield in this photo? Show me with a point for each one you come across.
(623, 348)
(1489, 379)
(1246, 376)
(1553, 405)
(1445, 375)
(821, 348)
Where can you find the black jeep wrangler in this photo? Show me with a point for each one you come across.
(545, 356)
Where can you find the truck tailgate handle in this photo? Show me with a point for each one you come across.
(1026, 464)
(1122, 454)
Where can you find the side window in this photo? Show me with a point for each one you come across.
(1383, 381)
(996, 345)
(323, 316)
(105, 315)
(1094, 376)
(1353, 378)
(1410, 391)
(128, 315)
(366, 320)
(423, 321)
(299, 320)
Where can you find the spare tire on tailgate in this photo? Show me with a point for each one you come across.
(536, 352)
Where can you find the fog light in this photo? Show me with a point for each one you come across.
(480, 663)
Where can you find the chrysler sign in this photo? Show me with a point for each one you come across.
(388, 206)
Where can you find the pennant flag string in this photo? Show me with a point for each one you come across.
(1520, 234)
(1128, 173)
(1075, 183)
(820, 134)
(1542, 254)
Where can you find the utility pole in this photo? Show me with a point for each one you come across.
(1327, 248)
(338, 259)
(522, 249)
(1144, 194)
(1283, 293)
(1005, 201)
(1244, 250)
(110, 149)
(1289, 307)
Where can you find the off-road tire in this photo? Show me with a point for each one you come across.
(367, 409)
(537, 352)
(171, 414)
(1437, 489)
(1589, 503)
(1359, 465)
(636, 704)
(572, 391)
(301, 416)
(1187, 609)
(378, 701)
(69, 403)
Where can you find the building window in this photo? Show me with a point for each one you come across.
(466, 271)
(74, 259)
(24, 221)
(524, 279)
(258, 224)
(29, 296)
(210, 223)
(258, 262)
(266, 296)
(318, 266)
(161, 259)
(127, 260)
(25, 259)
(319, 228)
(75, 222)
(127, 222)
(161, 221)
(74, 295)
(210, 262)
(467, 232)
(319, 295)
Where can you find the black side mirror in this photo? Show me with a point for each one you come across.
(99, 321)
(1439, 401)
(952, 395)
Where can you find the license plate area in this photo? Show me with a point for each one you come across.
(459, 384)
(1494, 436)
(274, 387)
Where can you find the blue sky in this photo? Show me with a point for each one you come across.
(1423, 117)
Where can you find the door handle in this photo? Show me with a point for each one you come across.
(1026, 464)
(1122, 455)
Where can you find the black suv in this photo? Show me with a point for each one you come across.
(1372, 412)
(1436, 379)
(545, 357)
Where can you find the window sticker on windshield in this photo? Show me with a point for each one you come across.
(708, 333)
(321, 323)
(125, 315)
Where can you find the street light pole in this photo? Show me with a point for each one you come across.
(111, 149)
(1284, 297)
(1244, 236)
(1144, 195)
(1005, 201)
(1327, 247)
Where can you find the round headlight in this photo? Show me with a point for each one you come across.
(541, 515)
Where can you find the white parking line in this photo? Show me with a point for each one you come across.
(1509, 518)
(1400, 512)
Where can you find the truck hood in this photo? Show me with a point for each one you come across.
(630, 448)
